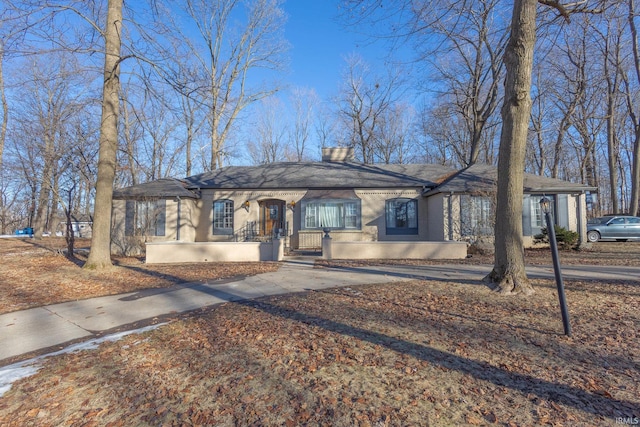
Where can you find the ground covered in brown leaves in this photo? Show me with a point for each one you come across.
(34, 273)
(601, 253)
(413, 353)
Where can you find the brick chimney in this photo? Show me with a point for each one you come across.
(337, 154)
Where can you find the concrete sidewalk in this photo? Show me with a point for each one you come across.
(51, 326)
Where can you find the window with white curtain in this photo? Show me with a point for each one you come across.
(336, 214)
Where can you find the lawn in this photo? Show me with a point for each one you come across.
(413, 353)
(35, 273)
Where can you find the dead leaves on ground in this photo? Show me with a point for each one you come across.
(33, 275)
(417, 353)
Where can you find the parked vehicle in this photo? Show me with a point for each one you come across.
(613, 227)
(25, 231)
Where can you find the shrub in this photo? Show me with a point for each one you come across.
(566, 239)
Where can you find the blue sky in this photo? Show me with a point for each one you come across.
(319, 43)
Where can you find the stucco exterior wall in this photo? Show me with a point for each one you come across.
(181, 252)
(437, 219)
(374, 226)
(242, 215)
(396, 250)
(373, 221)
(133, 245)
(195, 218)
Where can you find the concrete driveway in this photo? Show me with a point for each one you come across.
(51, 327)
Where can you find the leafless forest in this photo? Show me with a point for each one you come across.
(201, 86)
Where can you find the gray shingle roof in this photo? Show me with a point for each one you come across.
(317, 175)
(161, 188)
(482, 179)
(342, 175)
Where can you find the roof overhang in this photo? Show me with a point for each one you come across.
(338, 193)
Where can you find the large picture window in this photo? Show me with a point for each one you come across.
(402, 216)
(145, 217)
(335, 214)
(223, 217)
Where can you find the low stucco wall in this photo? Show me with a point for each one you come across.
(394, 250)
(178, 252)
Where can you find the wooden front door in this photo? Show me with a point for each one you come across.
(272, 215)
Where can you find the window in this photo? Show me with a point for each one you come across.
(336, 214)
(538, 221)
(537, 217)
(223, 217)
(475, 216)
(145, 217)
(402, 216)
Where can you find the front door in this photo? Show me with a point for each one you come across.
(272, 215)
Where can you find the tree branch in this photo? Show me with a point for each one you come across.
(566, 9)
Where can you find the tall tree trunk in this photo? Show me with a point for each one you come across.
(476, 138)
(100, 255)
(565, 123)
(216, 144)
(188, 149)
(5, 108)
(42, 211)
(634, 206)
(130, 144)
(612, 140)
(508, 272)
(612, 153)
(3, 126)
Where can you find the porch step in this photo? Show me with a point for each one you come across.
(298, 255)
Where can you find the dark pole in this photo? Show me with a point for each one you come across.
(556, 267)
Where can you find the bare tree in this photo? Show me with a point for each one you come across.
(444, 134)
(363, 101)
(589, 114)
(100, 254)
(4, 105)
(508, 271)
(634, 207)
(460, 45)
(54, 84)
(131, 132)
(268, 143)
(326, 126)
(192, 119)
(394, 140)
(540, 116)
(12, 200)
(229, 41)
(303, 102)
(609, 41)
(468, 61)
